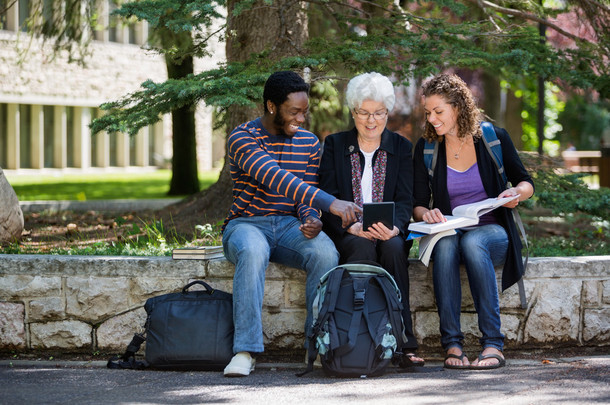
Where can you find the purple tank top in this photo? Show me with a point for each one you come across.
(465, 188)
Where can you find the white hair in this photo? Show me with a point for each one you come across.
(370, 86)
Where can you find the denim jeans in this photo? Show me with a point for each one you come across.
(480, 249)
(251, 243)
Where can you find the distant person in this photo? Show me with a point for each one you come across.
(275, 213)
(465, 173)
(571, 147)
(367, 164)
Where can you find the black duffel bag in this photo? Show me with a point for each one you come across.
(187, 330)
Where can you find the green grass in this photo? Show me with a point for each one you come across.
(83, 187)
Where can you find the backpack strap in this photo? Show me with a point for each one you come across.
(395, 310)
(360, 285)
(333, 284)
(494, 148)
(430, 157)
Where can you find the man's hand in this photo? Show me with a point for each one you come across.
(311, 227)
(346, 210)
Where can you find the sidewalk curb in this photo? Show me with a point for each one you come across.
(295, 366)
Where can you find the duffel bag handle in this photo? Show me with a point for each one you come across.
(208, 288)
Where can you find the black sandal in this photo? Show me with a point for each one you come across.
(406, 360)
(460, 357)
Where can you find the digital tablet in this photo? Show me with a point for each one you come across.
(378, 212)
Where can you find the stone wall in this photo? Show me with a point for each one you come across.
(89, 303)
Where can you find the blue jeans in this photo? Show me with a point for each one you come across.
(480, 249)
(251, 243)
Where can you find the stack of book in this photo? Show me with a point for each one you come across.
(198, 252)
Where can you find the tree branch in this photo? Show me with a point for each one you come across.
(517, 13)
(598, 4)
(8, 6)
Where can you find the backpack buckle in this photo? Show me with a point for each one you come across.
(359, 298)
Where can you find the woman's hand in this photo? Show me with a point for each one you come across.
(356, 230)
(523, 189)
(433, 216)
(509, 192)
(381, 232)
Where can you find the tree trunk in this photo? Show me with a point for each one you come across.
(513, 120)
(492, 98)
(541, 100)
(184, 151)
(283, 33)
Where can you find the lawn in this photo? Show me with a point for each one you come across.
(567, 232)
(83, 187)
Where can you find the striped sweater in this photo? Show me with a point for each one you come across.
(275, 174)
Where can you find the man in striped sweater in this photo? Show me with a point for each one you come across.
(275, 214)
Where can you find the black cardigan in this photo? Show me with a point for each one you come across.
(492, 182)
(336, 176)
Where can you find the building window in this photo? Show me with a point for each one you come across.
(47, 15)
(25, 138)
(112, 148)
(151, 145)
(24, 13)
(132, 150)
(70, 137)
(2, 18)
(3, 135)
(113, 23)
(49, 123)
(132, 33)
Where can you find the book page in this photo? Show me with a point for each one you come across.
(426, 244)
(451, 223)
(477, 209)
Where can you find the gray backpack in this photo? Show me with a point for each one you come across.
(357, 321)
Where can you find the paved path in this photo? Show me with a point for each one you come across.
(582, 380)
(97, 205)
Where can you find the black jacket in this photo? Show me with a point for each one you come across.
(336, 176)
(492, 182)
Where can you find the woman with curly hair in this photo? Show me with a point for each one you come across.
(465, 173)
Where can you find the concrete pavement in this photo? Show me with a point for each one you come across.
(577, 380)
(97, 205)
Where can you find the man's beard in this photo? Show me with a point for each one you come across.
(279, 123)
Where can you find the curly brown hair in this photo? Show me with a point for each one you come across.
(456, 93)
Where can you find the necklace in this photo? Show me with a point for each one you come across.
(457, 154)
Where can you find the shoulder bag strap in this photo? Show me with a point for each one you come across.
(494, 148)
(128, 359)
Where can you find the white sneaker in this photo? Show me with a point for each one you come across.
(240, 366)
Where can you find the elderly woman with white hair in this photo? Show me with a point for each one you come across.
(367, 164)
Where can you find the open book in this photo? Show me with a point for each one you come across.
(198, 252)
(463, 216)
